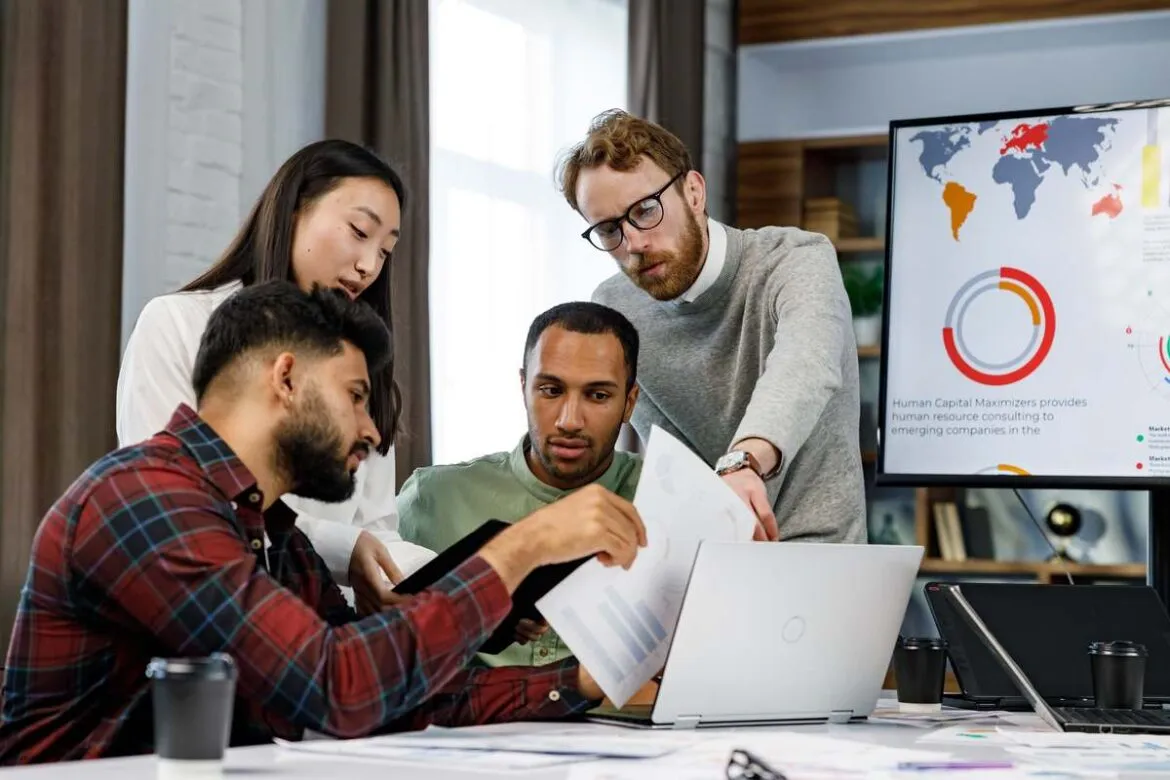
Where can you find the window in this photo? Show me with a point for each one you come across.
(513, 83)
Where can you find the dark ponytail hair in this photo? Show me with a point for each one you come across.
(262, 249)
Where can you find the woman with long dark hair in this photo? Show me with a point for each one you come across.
(331, 216)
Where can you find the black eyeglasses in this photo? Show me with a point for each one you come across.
(742, 765)
(647, 213)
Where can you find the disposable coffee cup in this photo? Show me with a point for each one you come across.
(1119, 674)
(920, 664)
(193, 700)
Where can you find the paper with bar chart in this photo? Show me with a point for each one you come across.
(619, 623)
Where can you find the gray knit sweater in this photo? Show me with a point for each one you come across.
(768, 352)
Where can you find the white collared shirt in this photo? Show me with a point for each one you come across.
(155, 377)
(712, 266)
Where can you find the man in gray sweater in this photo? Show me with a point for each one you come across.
(748, 353)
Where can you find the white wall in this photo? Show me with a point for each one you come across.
(842, 86)
(219, 93)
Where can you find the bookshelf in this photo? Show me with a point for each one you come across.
(776, 180)
(1041, 571)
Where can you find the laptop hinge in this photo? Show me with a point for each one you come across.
(686, 722)
(840, 716)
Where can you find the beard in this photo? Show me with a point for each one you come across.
(311, 455)
(573, 473)
(681, 267)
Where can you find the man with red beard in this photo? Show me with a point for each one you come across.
(750, 357)
(578, 380)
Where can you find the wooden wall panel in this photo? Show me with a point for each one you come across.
(774, 21)
(773, 178)
(770, 184)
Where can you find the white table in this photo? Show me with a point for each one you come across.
(270, 762)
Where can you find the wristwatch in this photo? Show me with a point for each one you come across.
(736, 460)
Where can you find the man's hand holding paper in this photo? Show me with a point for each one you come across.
(619, 622)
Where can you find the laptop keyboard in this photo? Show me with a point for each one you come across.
(1091, 716)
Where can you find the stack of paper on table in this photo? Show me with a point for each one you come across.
(596, 751)
(797, 755)
(501, 746)
(1103, 752)
(888, 712)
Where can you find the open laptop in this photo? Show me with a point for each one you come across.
(1082, 719)
(1046, 628)
(780, 633)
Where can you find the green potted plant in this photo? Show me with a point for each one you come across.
(864, 287)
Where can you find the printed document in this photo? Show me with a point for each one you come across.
(619, 623)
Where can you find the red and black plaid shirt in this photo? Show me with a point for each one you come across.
(158, 550)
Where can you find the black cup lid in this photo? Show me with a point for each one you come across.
(217, 666)
(922, 643)
(1118, 647)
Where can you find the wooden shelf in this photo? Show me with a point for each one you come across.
(852, 143)
(874, 351)
(841, 33)
(1041, 570)
(848, 246)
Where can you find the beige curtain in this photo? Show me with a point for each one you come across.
(377, 93)
(62, 108)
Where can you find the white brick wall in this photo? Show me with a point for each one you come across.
(219, 93)
(205, 138)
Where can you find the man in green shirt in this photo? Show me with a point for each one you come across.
(578, 379)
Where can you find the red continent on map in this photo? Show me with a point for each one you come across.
(1110, 205)
(1023, 136)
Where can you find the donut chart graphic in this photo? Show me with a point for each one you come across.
(1005, 469)
(1162, 355)
(1151, 344)
(1043, 317)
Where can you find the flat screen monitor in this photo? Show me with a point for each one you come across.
(1027, 306)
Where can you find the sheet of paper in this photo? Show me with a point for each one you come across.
(797, 755)
(1013, 773)
(887, 712)
(967, 734)
(619, 623)
(573, 740)
(1143, 753)
(1149, 743)
(646, 770)
(1098, 759)
(372, 750)
(642, 770)
(652, 770)
(409, 557)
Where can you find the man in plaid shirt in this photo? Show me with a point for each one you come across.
(165, 548)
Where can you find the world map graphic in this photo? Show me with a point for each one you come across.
(1029, 154)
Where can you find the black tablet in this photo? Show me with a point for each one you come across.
(534, 586)
(436, 568)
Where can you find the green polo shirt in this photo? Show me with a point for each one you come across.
(439, 505)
